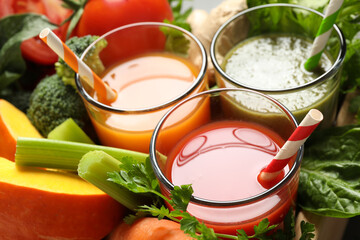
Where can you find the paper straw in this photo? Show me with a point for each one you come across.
(104, 93)
(292, 145)
(323, 34)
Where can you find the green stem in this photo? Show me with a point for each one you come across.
(65, 155)
(220, 235)
(94, 167)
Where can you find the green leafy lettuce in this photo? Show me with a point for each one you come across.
(13, 30)
(330, 173)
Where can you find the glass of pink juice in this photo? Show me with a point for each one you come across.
(151, 66)
(222, 158)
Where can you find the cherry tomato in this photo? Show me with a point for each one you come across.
(34, 49)
(100, 16)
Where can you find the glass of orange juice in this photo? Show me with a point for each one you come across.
(151, 66)
(241, 132)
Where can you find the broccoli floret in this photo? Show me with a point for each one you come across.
(52, 102)
(92, 59)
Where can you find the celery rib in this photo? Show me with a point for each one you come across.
(65, 155)
(94, 167)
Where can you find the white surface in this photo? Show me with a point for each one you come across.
(201, 4)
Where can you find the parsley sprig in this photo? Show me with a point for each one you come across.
(140, 178)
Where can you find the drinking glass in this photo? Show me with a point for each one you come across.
(216, 206)
(130, 122)
(321, 92)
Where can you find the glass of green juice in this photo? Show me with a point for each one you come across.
(223, 156)
(264, 48)
(151, 66)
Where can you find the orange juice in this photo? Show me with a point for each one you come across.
(146, 81)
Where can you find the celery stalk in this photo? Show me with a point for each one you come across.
(47, 153)
(94, 166)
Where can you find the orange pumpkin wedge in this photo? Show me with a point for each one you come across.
(43, 204)
(13, 123)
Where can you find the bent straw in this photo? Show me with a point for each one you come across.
(104, 92)
(291, 146)
(323, 34)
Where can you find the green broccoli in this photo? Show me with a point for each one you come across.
(52, 102)
(78, 46)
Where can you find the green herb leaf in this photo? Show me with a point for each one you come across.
(180, 197)
(131, 218)
(160, 213)
(329, 182)
(289, 225)
(180, 16)
(242, 235)
(13, 30)
(78, 10)
(189, 225)
(208, 233)
(137, 177)
(176, 42)
(307, 230)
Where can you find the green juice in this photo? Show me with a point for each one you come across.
(274, 64)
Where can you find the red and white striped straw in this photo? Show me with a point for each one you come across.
(292, 145)
(104, 92)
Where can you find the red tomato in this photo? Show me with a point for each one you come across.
(34, 49)
(100, 16)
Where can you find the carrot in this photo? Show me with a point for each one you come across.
(149, 228)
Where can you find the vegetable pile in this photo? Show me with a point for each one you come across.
(45, 129)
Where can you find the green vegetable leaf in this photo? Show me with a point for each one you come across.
(137, 177)
(208, 233)
(160, 213)
(13, 30)
(307, 230)
(176, 42)
(189, 225)
(78, 9)
(242, 235)
(180, 197)
(289, 225)
(261, 231)
(180, 16)
(131, 218)
(329, 182)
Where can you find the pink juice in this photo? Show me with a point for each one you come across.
(222, 161)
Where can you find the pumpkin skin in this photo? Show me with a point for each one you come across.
(41, 204)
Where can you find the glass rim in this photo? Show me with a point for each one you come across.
(194, 85)
(327, 75)
(207, 202)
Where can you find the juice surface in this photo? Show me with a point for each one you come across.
(149, 80)
(222, 161)
(275, 62)
(146, 81)
(234, 152)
